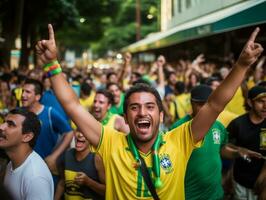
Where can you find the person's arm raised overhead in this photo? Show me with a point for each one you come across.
(160, 64)
(47, 56)
(223, 94)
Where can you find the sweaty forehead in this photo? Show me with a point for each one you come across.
(101, 97)
(113, 87)
(28, 87)
(15, 118)
(141, 98)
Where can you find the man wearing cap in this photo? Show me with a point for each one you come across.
(203, 178)
(249, 131)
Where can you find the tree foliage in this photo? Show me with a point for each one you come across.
(107, 24)
(112, 27)
(121, 31)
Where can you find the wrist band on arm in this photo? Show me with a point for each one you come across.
(54, 72)
(51, 64)
(52, 68)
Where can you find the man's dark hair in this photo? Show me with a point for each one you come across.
(168, 74)
(30, 124)
(110, 84)
(211, 79)
(107, 94)
(141, 81)
(137, 74)
(110, 74)
(262, 83)
(38, 87)
(85, 88)
(180, 87)
(140, 87)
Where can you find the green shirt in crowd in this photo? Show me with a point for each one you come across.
(203, 178)
(118, 109)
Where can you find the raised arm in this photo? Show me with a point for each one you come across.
(160, 63)
(126, 70)
(223, 94)
(47, 53)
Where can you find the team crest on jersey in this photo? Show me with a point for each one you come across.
(216, 135)
(166, 163)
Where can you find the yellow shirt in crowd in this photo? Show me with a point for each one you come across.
(123, 177)
(226, 117)
(236, 105)
(180, 106)
(87, 103)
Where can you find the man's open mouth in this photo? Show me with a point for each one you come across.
(2, 136)
(80, 143)
(143, 124)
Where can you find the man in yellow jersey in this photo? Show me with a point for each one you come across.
(101, 111)
(181, 106)
(166, 156)
(87, 95)
(226, 116)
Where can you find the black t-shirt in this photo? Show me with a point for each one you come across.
(243, 133)
(72, 165)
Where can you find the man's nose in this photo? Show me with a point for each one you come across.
(95, 104)
(142, 110)
(23, 94)
(2, 126)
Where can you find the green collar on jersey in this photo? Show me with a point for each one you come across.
(155, 158)
(107, 118)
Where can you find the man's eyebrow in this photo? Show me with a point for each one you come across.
(10, 122)
(134, 104)
(147, 103)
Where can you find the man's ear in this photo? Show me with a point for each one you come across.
(38, 97)
(161, 117)
(249, 102)
(125, 118)
(27, 137)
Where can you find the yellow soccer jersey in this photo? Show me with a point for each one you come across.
(111, 121)
(18, 94)
(226, 117)
(181, 106)
(124, 179)
(236, 105)
(87, 103)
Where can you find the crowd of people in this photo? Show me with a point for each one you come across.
(184, 130)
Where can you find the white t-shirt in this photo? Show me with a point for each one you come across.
(32, 180)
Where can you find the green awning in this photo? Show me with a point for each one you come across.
(241, 15)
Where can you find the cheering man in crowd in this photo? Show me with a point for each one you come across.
(165, 155)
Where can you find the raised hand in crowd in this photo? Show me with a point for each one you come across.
(46, 49)
(224, 93)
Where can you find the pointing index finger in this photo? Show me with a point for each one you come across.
(254, 35)
(51, 32)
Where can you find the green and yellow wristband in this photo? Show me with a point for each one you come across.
(52, 68)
